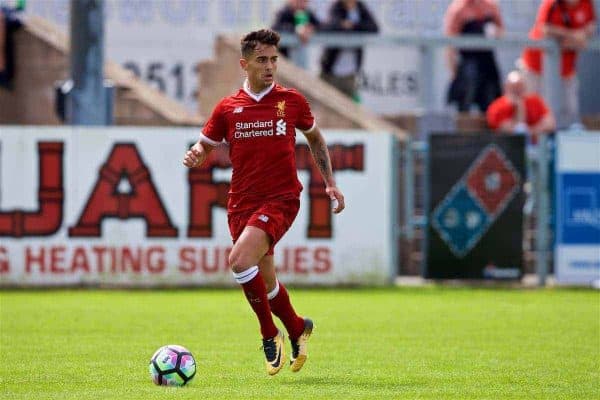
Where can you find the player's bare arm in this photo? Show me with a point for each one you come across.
(197, 154)
(320, 154)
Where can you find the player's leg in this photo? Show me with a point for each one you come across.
(279, 299)
(299, 329)
(248, 249)
(275, 218)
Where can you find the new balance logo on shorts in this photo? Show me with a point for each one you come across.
(263, 218)
(281, 127)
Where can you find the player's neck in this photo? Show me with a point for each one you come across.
(257, 92)
(256, 88)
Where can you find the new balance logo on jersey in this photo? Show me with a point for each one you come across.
(281, 127)
(238, 110)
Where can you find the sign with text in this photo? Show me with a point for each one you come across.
(475, 225)
(577, 248)
(115, 206)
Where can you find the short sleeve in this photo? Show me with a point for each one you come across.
(498, 112)
(215, 129)
(306, 120)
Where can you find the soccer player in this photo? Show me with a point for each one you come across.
(258, 123)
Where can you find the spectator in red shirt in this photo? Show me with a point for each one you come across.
(571, 23)
(475, 77)
(259, 124)
(519, 112)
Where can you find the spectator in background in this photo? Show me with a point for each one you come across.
(520, 112)
(340, 66)
(2, 42)
(571, 23)
(9, 23)
(296, 17)
(475, 77)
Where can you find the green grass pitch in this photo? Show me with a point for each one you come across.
(397, 343)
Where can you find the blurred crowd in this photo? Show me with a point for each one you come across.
(513, 103)
(339, 66)
(515, 106)
(475, 77)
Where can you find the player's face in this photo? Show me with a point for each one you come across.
(261, 66)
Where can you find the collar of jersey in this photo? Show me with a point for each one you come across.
(257, 96)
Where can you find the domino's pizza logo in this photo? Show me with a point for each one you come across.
(476, 200)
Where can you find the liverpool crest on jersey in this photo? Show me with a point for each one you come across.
(281, 108)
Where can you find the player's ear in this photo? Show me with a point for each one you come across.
(243, 63)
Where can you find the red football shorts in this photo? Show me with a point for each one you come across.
(274, 217)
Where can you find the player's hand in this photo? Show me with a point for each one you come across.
(337, 198)
(194, 156)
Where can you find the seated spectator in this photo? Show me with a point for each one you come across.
(340, 66)
(475, 77)
(520, 112)
(571, 23)
(296, 17)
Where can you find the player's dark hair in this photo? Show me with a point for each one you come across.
(254, 38)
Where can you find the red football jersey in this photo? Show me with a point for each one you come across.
(260, 130)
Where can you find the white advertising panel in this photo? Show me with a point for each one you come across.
(577, 250)
(115, 206)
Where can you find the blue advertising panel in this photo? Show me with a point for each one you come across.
(577, 249)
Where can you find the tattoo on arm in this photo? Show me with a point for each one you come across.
(321, 157)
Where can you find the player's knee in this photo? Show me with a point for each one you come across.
(240, 261)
